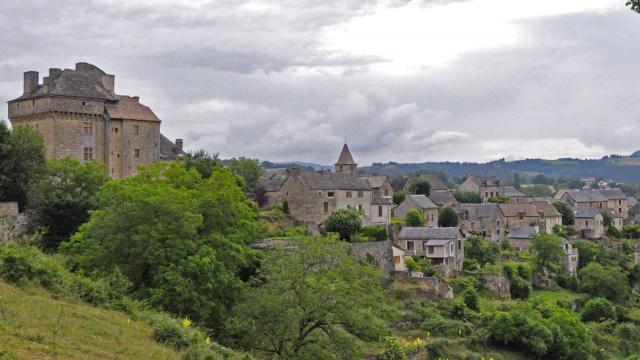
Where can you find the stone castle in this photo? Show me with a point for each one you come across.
(79, 115)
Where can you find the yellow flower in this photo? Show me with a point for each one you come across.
(186, 322)
(208, 341)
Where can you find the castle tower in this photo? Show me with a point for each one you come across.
(345, 163)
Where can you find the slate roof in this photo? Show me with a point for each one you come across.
(130, 108)
(377, 199)
(477, 211)
(168, 150)
(523, 232)
(632, 201)
(635, 209)
(86, 83)
(441, 197)
(439, 242)
(612, 194)
(585, 212)
(510, 191)
(376, 182)
(423, 202)
(327, 180)
(586, 196)
(510, 210)
(485, 180)
(547, 209)
(345, 157)
(272, 179)
(614, 213)
(430, 233)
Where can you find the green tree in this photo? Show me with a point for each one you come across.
(447, 217)
(21, 162)
(606, 281)
(398, 197)
(248, 169)
(568, 218)
(344, 222)
(467, 197)
(634, 5)
(631, 231)
(588, 251)
(481, 250)
(598, 309)
(420, 186)
(629, 337)
(179, 239)
(65, 196)
(548, 249)
(415, 218)
(310, 303)
(607, 218)
(203, 162)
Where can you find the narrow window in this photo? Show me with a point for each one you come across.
(430, 250)
(320, 193)
(348, 194)
(409, 245)
(88, 128)
(88, 154)
(136, 129)
(379, 211)
(326, 207)
(136, 153)
(459, 244)
(360, 194)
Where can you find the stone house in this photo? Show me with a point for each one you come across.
(483, 218)
(617, 219)
(271, 181)
(517, 215)
(515, 196)
(443, 246)
(380, 184)
(443, 197)
(548, 215)
(613, 199)
(421, 202)
(520, 237)
(569, 262)
(588, 222)
(634, 213)
(79, 115)
(487, 186)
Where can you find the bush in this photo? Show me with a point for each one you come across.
(447, 217)
(345, 222)
(598, 309)
(605, 281)
(470, 297)
(171, 335)
(437, 349)
(392, 350)
(398, 197)
(378, 233)
(415, 218)
(520, 288)
(567, 282)
(468, 197)
(411, 264)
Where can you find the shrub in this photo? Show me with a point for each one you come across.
(411, 264)
(598, 309)
(437, 349)
(629, 335)
(447, 217)
(467, 197)
(171, 335)
(605, 281)
(345, 222)
(415, 218)
(378, 233)
(392, 350)
(567, 282)
(398, 197)
(470, 297)
(520, 288)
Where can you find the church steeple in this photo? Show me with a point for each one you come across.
(345, 163)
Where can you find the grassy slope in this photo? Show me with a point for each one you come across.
(34, 325)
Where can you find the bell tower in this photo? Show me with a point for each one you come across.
(345, 163)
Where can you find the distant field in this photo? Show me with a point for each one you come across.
(34, 325)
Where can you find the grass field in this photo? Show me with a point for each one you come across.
(34, 325)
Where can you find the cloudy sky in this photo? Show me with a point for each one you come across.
(399, 80)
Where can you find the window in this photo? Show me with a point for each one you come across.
(486, 194)
(360, 194)
(492, 194)
(619, 202)
(136, 153)
(396, 259)
(88, 128)
(432, 217)
(386, 192)
(136, 129)
(498, 222)
(409, 245)
(326, 207)
(84, 103)
(349, 195)
(286, 194)
(586, 223)
(330, 194)
(497, 193)
(379, 211)
(498, 232)
(484, 233)
(430, 250)
(359, 207)
(319, 193)
(450, 248)
(115, 130)
(459, 244)
(88, 154)
(620, 210)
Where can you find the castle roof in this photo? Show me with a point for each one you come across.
(130, 108)
(546, 208)
(345, 157)
(585, 212)
(523, 232)
(484, 180)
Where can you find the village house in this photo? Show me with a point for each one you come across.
(380, 185)
(548, 215)
(588, 222)
(517, 215)
(483, 218)
(421, 202)
(514, 195)
(617, 220)
(487, 186)
(443, 197)
(520, 238)
(79, 115)
(613, 199)
(443, 246)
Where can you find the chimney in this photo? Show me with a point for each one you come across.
(31, 79)
(179, 145)
(108, 81)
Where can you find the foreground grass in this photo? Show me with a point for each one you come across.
(34, 325)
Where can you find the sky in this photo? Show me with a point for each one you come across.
(398, 80)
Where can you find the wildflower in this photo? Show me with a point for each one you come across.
(208, 341)
(186, 322)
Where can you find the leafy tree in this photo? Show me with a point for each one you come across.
(248, 169)
(415, 218)
(471, 299)
(568, 218)
(629, 337)
(606, 281)
(179, 239)
(542, 179)
(447, 217)
(634, 5)
(203, 162)
(481, 250)
(378, 233)
(467, 197)
(538, 191)
(607, 218)
(547, 249)
(420, 186)
(21, 162)
(398, 197)
(589, 252)
(310, 303)
(631, 231)
(613, 232)
(411, 264)
(392, 350)
(575, 183)
(65, 196)
(598, 309)
(344, 222)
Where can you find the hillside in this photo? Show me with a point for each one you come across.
(35, 325)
